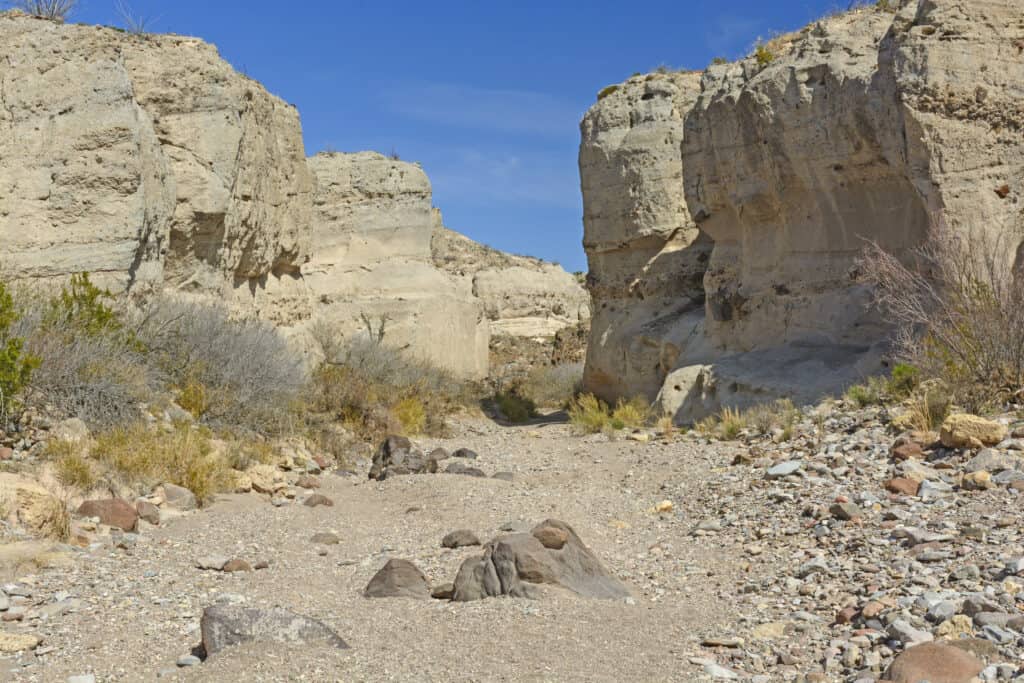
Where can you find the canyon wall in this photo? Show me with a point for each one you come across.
(151, 163)
(371, 263)
(870, 125)
(521, 296)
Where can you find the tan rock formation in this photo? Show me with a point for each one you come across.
(645, 253)
(867, 125)
(372, 263)
(150, 162)
(521, 296)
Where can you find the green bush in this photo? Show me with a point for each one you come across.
(16, 366)
(905, 378)
(515, 408)
(763, 55)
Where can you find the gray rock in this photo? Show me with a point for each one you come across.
(933, 490)
(465, 453)
(179, 498)
(188, 660)
(814, 566)
(459, 468)
(998, 634)
(82, 678)
(941, 611)
(397, 456)
(398, 579)
(226, 625)
(325, 538)
(783, 469)
(992, 460)
(459, 538)
(907, 635)
(212, 562)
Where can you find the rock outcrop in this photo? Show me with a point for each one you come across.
(521, 296)
(371, 264)
(872, 125)
(151, 163)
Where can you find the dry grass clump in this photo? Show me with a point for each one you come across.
(76, 471)
(552, 385)
(730, 423)
(590, 414)
(54, 10)
(516, 408)
(375, 390)
(137, 455)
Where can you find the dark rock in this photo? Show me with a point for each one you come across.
(179, 498)
(398, 579)
(226, 625)
(318, 499)
(459, 468)
(443, 592)
(396, 456)
(459, 539)
(845, 511)
(511, 563)
(148, 512)
(325, 538)
(439, 454)
(236, 565)
(307, 481)
(465, 453)
(113, 512)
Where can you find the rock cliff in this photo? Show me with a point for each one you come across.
(521, 296)
(371, 263)
(868, 125)
(150, 162)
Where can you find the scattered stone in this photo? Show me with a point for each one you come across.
(903, 486)
(397, 456)
(179, 498)
(188, 660)
(318, 499)
(307, 482)
(846, 511)
(148, 512)
(465, 453)
(443, 592)
(459, 539)
(236, 565)
(325, 538)
(212, 562)
(18, 642)
(113, 512)
(398, 579)
(503, 476)
(226, 625)
(459, 468)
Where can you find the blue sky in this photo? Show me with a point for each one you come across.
(486, 95)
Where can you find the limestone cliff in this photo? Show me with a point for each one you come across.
(868, 125)
(152, 163)
(521, 296)
(371, 263)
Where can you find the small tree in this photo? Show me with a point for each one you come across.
(15, 366)
(55, 10)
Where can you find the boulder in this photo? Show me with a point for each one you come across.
(459, 538)
(148, 512)
(398, 579)
(34, 507)
(962, 430)
(179, 498)
(396, 455)
(550, 554)
(226, 625)
(72, 430)
(113, 512)
(935, 663)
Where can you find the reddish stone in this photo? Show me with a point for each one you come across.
(148, 511)
(318, 499)
(872, 609)
(846, 615)
(237, 565)
(909, 450)
(6, 453)
(903, 486)
(308, 482)
(113, 512)
(320, 461)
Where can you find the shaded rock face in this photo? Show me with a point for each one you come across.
(398, 579)
(396, 455)
(151, 163)
(869, 125)
(550, 554)
(521, 296)
(226, 625)
(372, 262)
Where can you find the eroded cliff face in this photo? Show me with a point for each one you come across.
(521, 296)
(151, 163)
(372, 263)
(870, 125)
(646, 256)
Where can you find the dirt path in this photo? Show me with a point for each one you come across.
(139, 608)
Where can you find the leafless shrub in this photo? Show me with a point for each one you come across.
(553, 385)
(245, 370)
(135, 23)
(956, 304)
(55, 10)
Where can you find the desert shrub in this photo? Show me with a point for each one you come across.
(955, 302)
(633, 412)
(871, 393)
(719, 60)
(929, 405)
(135, 22)
(516, 408)
(589, 414)
(905, 378)
(779, 414)
(763, 55)
(16, 365)
(552, 385)
(56, 10)
(74, 470)
(606, 91)
(730, 423)
(139, 456)
(369, 387)
(230, 372)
